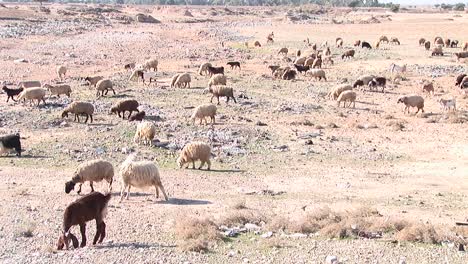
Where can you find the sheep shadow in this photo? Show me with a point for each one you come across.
(366, 103)
(178, 201)
(51, 105)
(120, 95)
(153, 118)
(227, 171)
(133, 245)
(195, 88)
(134, 194)
(99, 124)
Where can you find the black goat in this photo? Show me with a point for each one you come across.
(301, 68)
(215, 70)
(234, 64)
(11, 92)
(10, 142)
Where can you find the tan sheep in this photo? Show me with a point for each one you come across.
(31, 94)
(437, 51)
(309, 62)
(195, 151)
(428, 87)
(317, 74)
(58, 89)
(217, 79)
(347, 96)
(412, 101)
(348, 54)
(79, 108)
(174, 79)
(339, 42)
(383, 39)
(317, 63)
(145, 133)
(204, 68)
(92, 81)
(61, 71)
(438, 41)
(104, 85)
(184, 79)
(394, 40)
(150, 64)
(278, 73)
(203, 111)
(283, 51)
(92, 171)
(29, 84)
(422, 41)
(461, 55)
(427, 45)
(300, 60)
(336, 91)
(221, 91)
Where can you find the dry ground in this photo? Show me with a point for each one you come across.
(407, 167)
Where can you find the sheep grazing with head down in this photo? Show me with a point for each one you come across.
(92, 171)
(318, 74)
(454, 44)
(34, 93)
(394, 41)
(79, 108)
(300, 60)
(336, 91)
(427, 45)
(104, 86)
(195, 151)
(448, 104)
(283, 51)
(215, 70)
(348, 54)
(61, 71)
(339, 42)
(234, 64)
(289, 75)
(347, 96)
(461, 55)
(123, 106)
(145, 133)
(459, 79)
(151, 64)
(437, 51)
(92, 81)
(129, 66)
(363, 80)
(412, 101)
(90, 207)
(439, 41)
(357, 43)
(377, 82)
(217, 79)
(204, 111)
(204, 68)
(140, 174)
(383, 39)
(428, 87)
(447, 43)
(58, 89)
(221, 91)
(10, 142)
(137, 116)
(183, 80)
(422, 41)
(257, 44)
(273, 68)
(366, 45)
(12, 92)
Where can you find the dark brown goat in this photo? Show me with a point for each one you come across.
(215, 70)
(123, 106)
(92, 206)
(459, 79)
(301, 69)
(138, 116)
(11, 92)
(348, 54)
(289, 75)
(234, 64)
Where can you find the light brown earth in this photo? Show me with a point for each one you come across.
(417, 174)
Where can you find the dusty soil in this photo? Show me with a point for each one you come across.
(281, 136)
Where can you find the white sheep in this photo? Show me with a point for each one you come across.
(79, 108)
(174, 79)
(195, 151)
(145, 132)
(203, 111)
(92, 171)
(34, 93)
(363, 80)
(347, 96)
(335, 92)
(317, 74)
(412, 101)
(104, 85)
(61, 71)
(183, 79)
(448, 104)
(204, 68)
(150, 64)
(58, 89)
(140, 174)
(217, 79)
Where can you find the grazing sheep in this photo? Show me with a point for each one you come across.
(61, 71)
(273, 68)
(195, 151)
(234, 64)
(123, 106)
(140, 174)
(328, 60)
(454, 44)
(339, 42)
(363, 80)
(428, 87)
(79, 108)
(145, 133)
(328, 51)
(215, 70)
(394, 68)
(280, 71)
(348, 54)
(459, 79)
(34, 93)
(89, 207)
(461, 55)
(12, 92)
(437, 51)
(150, 64)
(317, 63)
(427, 45)
(174, 79)
(29, 84)
(204, 68)
(422, 41)
(270, 38)
(377, 81)
(357, 43)
(439, 41)
(221, 91)
(298, 53)
(10, 142)
(347, 96)
(129, 66)
(137, 116)
(257, 44)
(289, 75)
(309, 62)
(394, 41)
(412, 101)
(464, 82)
(217, 79)
(365, 44)
(92, 171)
(203, 111)
(383, 39)
(447, 43)
(104, 85)
(184, 80)
(92, 81)
(317, 74)
(336, 91)
(300, 60)
(58, 89)
(283, 51)
(448, 104)
(143, 76)
(302, 69)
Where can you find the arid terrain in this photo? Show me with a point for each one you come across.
(294, 179)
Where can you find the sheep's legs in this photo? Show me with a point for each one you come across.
(211, 100)
(122, 191)
(91, 118)
(193, 164)
(79, 190)
(163, 191)
(201, 165)
(73, 239)
(103, 232)
(233, 98)
(128, 192)
(157, 191)
(87, 116)
(218, 99)
(91, 184)
(83, 234)
(100, 232)
(209, 164)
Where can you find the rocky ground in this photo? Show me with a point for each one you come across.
(282, 152)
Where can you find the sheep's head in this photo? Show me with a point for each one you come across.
(402, 99)
(69, 186)
(181, 161)
(207, 90)
(357, 83)
(114, 110)
(64, 240)
(64, 114)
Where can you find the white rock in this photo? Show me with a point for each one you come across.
(402, 260)
(267, 234)
(331, 260)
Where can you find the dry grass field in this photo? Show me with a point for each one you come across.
(368, 184)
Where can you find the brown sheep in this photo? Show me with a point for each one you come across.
(348, 54)
(412, 101)
(123, 106)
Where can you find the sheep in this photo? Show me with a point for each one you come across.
(300, 60)
(104, 85)
(438, 41)
(234, 64)
(92, 171)
(301, 69)
(383, 39)
(217, 79)
(317, 74)
(348, 54)
(437, 51)
(273, 68)
(34, 93)
(465, 47)
(347, 96)
(422, 41)
(461, 55)
(328, 51)
(123, 106)
(428, 87)
(280, 71)
(92, 81)
(58, 89)
(464, 82)
(12, 92)
(454, 43)
(412, 101)
(448, 104)
(203, 111)
(257, 44)
(29, 84)
(309, 62)
(365, 44)
(377, 81)
(89, 207)
(145, 133)
(215, 70)
(283, 51)
(459, 79)
(377, 44)
(339, 42)
(183, 79)
(174, 79)
(363, 80)
(204, 68)
(298, 53)
(61, 71)
(129, 66)
(138, 116)
(9, 142)
(79, 108)
(394, 41)
(447, 43)
(195, 151)
(328, 60)
(221, 91)
(394, 68)
(427, 45)
(357, 43)
(140, 174)
(270, 38)
(151, 76)
(317, 63)
(336, 91)
(289, 75)
(150, 64)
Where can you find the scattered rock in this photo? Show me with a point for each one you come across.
(331, 260)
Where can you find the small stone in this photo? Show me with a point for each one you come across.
(331, 260)
(402, 260)
(231, 253)
(267, 234)
(260, 123)
(309, 142)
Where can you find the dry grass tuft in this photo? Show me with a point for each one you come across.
(419, 232)
(239, 205)
(196, 233)
(396, 125)
(195, 245)
(242, 217)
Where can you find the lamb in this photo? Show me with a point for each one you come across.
(283, 51)
(394, 41)
(447, 43)
(204, 68)
(422, 41)
(317, 74)
(215, 70)
(58, 89)
(234, 64)
(145, 133)
(454, 44)
(459, 79)
(437, 51)
(348, 54)
(10, 142)
(123, 106)
(34, 93)
(448, 104)
(428, 87)
(29, 84)
(150, 64)
(317, 63)
(366, 45)
(92, 171)
(289, 75)
(339, 42)
(301, 69)
(427, 45)
(394, 68)
(412, 101)
(221, 91)
(357, 43)
(383, 39)
(377, 81)
(257, 44)
(461, 55)
(273, 68)
(129, 66)
(328, 51)
(104, 85)
(92, 81)
(335, 92)
(217, 79)
(362, 80)
(138, 116)
(280, 71)
(90, 207)
(140, 174)
(79, 108)
(61, 71)
(195, 151)
(183, 79)
(300, 60)
(347, 96)
(11, 92)
(203, 111)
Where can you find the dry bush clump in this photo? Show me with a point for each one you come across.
(242, 217)
(196, 233)
(239, 205)
(396, 125)
(419, 232)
